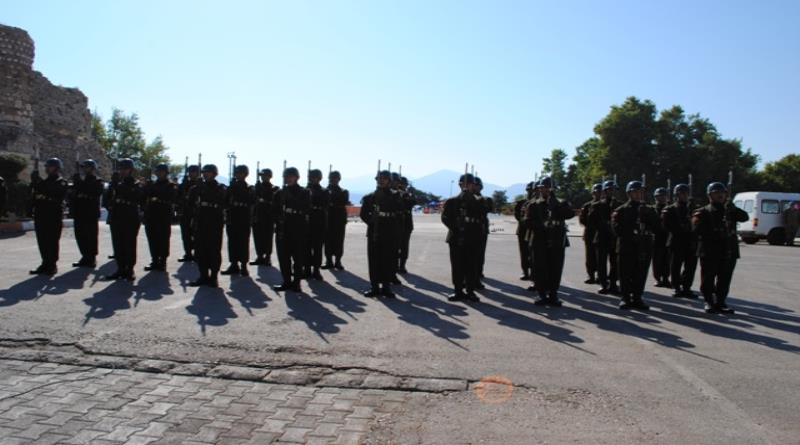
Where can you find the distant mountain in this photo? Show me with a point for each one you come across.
(438, 183)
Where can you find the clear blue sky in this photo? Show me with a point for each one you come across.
(425, 84)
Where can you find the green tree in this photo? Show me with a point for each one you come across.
(782, 175)
(122, 137)
(500, 199)
(554, 165)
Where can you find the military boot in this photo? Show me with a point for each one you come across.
(232, 269)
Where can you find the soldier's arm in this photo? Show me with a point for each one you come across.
(565, 210)
(737, 214)
(447, 215)
(59, 190)
(366, 210)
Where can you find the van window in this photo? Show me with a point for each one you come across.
(785, 205)
(738, 203)
(770, 206)
(748, 206)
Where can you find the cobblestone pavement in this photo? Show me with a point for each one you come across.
(47, 403)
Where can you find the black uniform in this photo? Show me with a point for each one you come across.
(317, 227)
(124, 203)
(86, 194)
(488, 208)
(239, 201)
(381, 210)
(588, 242)
(338, 200)
(264, 221)
(681, 245)
(407, 227)
(464, 216)
(209, 220)
(634, 224)
(291, 207)
(48, 212)
(717, 248)
(522, 242)
(186, 208)
(545, 218)
(105, 202)
(3, 195)
(660, 252)
(160, 197)
(605, 242)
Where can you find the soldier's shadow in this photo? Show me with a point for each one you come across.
(106, 302)
(30, 289)
(185, 274)
(349, 280)
(317, 317)
(424, 311)
(421, 282)
(102, 271)
(269, 275)
(211, 308)
(327, 293)
(248, 293)
(153, 286)
(508, 288)
(74, 279)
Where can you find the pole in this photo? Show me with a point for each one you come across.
(400, 170)
(669, 189)
(691, 189)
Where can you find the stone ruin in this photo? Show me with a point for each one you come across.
(37, 117)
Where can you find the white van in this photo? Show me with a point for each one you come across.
(766, 215)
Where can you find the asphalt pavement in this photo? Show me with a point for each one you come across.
(585, 372)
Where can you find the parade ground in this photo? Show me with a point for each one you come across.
(154, 361)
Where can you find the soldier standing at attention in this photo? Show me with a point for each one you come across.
(186, 207)
(48, 213)
(464, 217)
(407, 223)
(605, 239)
(791, 221)
(209, 220)
(159, 208)
(588, 235)
(263, 219)
(87, 192)
(291, 206)
(522, 243)
(488, 208)
(660, 253)
(338, 200)
(3, 194)
(124, 202)
(317, 223)
(681, 243)
(634, 223)
(717, 246)
(239, 200)
(545, 217)
(381, 210)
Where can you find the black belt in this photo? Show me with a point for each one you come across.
(209, 204)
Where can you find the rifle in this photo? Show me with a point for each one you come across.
(730, 185)
(284, 171)
(691, 189)
(669, 190)
(77, 163)
(258, 172)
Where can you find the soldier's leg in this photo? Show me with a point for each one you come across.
(167, 238)
(284, 260)
(724, 278)
(372, 263)
(613, 273)
(601, 252)
(709, 268)
(689, 267)
(92, 232)
(557, 270)
(524, 258)
(186, 236)
(456, 267)
(626, 267)
(80, 237)
(482, 253)
(541, 270)
(258, 240)
(215, 254)
(245, 244)
(268, 233)
(40, 228)
(676, 257)
(150, 232)
(591, 259)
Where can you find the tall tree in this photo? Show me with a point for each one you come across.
(782, 175)
(500, 199)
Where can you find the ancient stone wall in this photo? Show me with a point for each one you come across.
(39, 117)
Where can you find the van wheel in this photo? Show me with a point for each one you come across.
(750, 240)
(776, 237)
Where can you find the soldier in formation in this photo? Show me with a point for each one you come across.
(291, 207)
(589, 232)
(605, 242)
(407, 224)
(717, 246)
(263, 219)
(681, 242)
(464, 217)
(3, 195)
(660, 252)
(159, 208)
(338, 200)
(545, 218)
(381, 210)
(209, 221)
(522, 242)
(186, 210)
(124, 202)
(488, 204)
(634, 224)
(239, 200)
(317, 224)
(48, 212)
(86, 194)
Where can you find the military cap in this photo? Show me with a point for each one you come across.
(661, 191)
(466, 178)
(633, 186)
(478, 181)
(530, 186)
(291, 171)
(716, 187)
(162, 168)
(125, 163)
(266, 171)
(54, 162)
(680, 188)
(597, 187)
(241, 168)
(315, 173)
(395, 176)
(609, 185)
(404, 180)
(89, 163)
(546, 182)
(193, 169)
(384, 174)
(210, 168)
(335, 174)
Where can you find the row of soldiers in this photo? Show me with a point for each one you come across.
(622, 238)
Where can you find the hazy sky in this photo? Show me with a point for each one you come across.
(429, 84)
